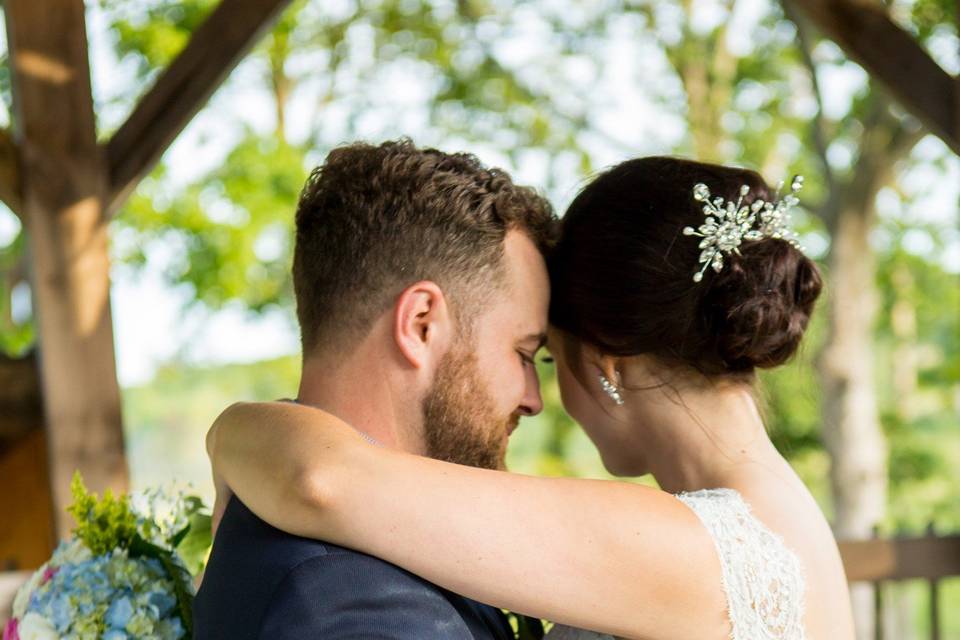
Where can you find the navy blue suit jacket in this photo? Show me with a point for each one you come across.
(264, 584)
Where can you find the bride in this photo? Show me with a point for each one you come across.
(672, 283)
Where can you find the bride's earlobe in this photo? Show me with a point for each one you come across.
(609, 375)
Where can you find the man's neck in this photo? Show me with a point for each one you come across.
(360, 396)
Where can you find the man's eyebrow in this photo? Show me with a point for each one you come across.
(539, 338)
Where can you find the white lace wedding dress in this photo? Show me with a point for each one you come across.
(762, 578)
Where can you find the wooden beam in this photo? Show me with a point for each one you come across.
(9, 172)
(21, 408)
(866, 33)
(63, 183)
(182, 89)
(901, 559)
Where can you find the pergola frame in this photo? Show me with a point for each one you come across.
(65, 184)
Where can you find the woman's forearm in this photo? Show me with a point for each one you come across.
(601, 555)
(608, 556)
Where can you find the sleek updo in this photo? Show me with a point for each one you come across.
(622, 273)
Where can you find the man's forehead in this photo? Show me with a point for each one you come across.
(526, 270)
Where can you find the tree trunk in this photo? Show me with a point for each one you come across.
(851, 425)
(852, 431)
(903, 319)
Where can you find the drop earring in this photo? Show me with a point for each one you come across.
(611, 390)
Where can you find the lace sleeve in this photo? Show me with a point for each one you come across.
(762, 579)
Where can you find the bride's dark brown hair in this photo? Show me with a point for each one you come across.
(622, 274)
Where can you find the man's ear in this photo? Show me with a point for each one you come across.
(422, 323)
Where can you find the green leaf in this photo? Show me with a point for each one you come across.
(525, 627)
(195, 544)
(182, 588)
(179, 574)
(102, 524)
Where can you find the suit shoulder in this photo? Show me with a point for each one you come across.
(248, 561)
(346, 594)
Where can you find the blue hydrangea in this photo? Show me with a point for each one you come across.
(111, 596)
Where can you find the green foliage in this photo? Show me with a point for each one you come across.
(153, 33)
(16, 336)
(928, 17)
(102, 524)
(110, 523)
(525, 627)
(233, 227)
(195, 542)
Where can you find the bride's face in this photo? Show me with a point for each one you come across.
(601, 419)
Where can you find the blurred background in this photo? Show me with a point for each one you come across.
(553, 91)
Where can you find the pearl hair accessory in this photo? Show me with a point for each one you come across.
(730, 223)
(611, 390)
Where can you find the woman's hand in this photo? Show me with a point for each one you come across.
(222, 491)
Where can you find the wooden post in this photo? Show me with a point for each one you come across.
(62, 188)
(934, 585)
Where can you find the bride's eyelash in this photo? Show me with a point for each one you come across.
(534, 361)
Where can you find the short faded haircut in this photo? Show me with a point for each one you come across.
(373, 219)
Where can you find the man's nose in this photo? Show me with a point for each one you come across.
(532, 402)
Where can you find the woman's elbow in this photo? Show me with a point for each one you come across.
(313, 489)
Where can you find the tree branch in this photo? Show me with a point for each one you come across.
(213, 51)
(868, 35)
(818, 125)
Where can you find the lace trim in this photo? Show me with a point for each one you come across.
(762, 579)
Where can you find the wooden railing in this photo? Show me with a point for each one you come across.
(930, 558)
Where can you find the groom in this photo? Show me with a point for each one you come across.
(422, 299)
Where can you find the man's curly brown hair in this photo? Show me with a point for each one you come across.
(374, 219)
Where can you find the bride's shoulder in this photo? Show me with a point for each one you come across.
(723, 510)
(763, 578)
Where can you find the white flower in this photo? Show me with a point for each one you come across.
(160, 511)
(35, 627)
(22, 600)
(73, 552)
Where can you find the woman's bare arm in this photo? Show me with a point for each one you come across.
(609, 556)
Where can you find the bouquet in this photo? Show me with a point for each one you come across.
(127, 573)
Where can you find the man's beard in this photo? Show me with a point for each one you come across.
(460, 421)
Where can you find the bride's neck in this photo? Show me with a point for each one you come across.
(702, 439)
